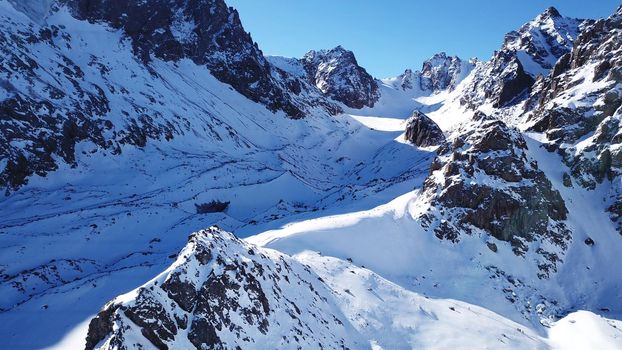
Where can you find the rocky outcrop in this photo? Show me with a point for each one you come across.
(207, 32)
(483, 182)
(59, 87)
(442, 72)
(532, 51)
(223, 293)
(438, 73)
(423, 131)
(337, 74)
(578, 107)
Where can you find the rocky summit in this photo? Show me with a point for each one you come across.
(337, 74)
(464, 203)
(224, 293)
(532, 50)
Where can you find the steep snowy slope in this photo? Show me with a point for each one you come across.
(127, 126)
(127, 155)
(59, 88)
(223, 292)
(502, 86)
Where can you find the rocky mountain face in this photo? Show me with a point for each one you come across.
(438, 73)
(578, 109)
(222, 293)
(423, 131)
(207, 32)
(81, 97)
(507, 78)
(482, 181)
(337, 74)
(177, 95)
(442, 72)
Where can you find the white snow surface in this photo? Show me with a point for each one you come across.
(339, 194)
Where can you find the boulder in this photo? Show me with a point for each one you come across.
(423, 131)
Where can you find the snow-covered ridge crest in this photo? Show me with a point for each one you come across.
(222, 292)
(506, 80)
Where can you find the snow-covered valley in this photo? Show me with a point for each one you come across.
(358, 222)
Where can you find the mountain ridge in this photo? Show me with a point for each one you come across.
(467, 204)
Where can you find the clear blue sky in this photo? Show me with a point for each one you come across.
(388, 36)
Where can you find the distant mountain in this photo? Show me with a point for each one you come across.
(337, 74)
(440, 72)
(507, 78)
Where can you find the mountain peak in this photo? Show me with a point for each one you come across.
(337, 73)
(551, 12)
(222, 292)
(441, 72)
(337, 52)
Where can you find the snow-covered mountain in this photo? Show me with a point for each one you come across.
(335, 73)
(222, 292)
(466, 205)
(577, 107)
(507, 78)
(81, 92)
(439, 72)
(422, 90)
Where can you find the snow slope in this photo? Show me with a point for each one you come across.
(72, 239)
(340, 193)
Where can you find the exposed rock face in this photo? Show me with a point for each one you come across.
(578, 107)
(442, 72)
(223, 293)
(438, 73)
(423, 131)
(483, 182)
(525, 54)
(337, 74)
(207, 32)
(52, 120)
(59, 88)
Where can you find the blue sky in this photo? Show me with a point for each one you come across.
(391, 35)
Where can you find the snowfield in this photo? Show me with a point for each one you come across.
(331, 205)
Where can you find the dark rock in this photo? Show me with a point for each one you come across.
(492, 247)
(588, 241)
(567, 180)
(423, 131)
(100, 326)
(520, 207)
(515, 85)
(337, 74)
(214, 206)
(234, 299)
